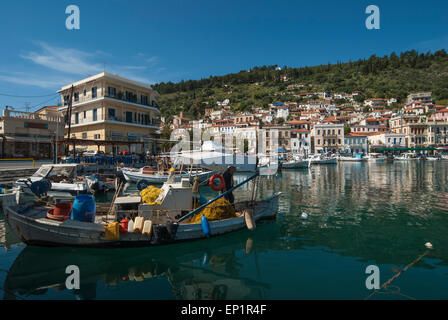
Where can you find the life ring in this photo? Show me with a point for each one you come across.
(213, 186)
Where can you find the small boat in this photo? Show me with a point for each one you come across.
(322, 159)
(168, 219)
(295, 164)
(376, 158)
(294, 161)
(67, 178)
(355, 158)
(407, 156)
(154, 176)
(432, 158)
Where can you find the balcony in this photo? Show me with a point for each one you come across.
(132, 101)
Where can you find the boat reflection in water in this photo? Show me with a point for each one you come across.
(182, 271)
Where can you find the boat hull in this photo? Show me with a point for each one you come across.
(160, 179)
(45, 232)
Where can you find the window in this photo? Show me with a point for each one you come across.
(128, 116)
(84, 135)
(144, 100)
(94, 91)
(95, 115)
(85, 114)
(66, 98)
(318, 141)
(85, 92)
(112, 114)
(129, 96)
(111, 91)
(97, 136)
(76, 118)
(76, 96)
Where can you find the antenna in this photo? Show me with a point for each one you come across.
(27, 107)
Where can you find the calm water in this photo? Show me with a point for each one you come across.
(358, 215)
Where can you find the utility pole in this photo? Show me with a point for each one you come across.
(69, 112)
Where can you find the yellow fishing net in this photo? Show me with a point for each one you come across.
(218, 210)
(150, 194)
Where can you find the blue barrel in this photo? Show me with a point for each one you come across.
(84, 208)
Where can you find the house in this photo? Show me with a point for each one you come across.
(301, 141)
(424, 97)
(31, 134)
(355, 143)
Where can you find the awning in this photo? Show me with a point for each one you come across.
(27, 139)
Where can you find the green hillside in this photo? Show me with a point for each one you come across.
(377, 77)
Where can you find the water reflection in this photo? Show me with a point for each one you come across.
(195, 270)
(357, 214)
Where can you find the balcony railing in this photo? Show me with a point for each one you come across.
(131, 100)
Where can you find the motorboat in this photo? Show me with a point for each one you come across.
(407, 156)
(153, 175)
(322, 159)
(63, 177)
(375, 157)
(354, 158)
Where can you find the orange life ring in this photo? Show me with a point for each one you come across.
(212, 185)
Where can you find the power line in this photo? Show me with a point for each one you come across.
(37, 105)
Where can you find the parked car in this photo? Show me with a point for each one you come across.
(93, 153)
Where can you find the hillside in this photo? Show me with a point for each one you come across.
(377, 77)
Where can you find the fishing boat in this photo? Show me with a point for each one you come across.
(65, 177)
(322, 159)
(407, 156)
(154, 176)
(355, 158)
(168, 224)
(375, 158)
(294, 162)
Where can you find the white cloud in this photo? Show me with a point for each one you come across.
(67, 65)
(64, 60)
(28, 79)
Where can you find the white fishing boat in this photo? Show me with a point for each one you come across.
(355, 158)
(33, 226)
(295, 162)
(432, 158)
(407, 156)
(154, 176)
(63, 177)
(375, 158)
(322, 159)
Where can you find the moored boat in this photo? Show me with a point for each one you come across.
(33, 226)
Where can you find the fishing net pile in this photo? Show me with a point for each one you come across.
(150, 195)
(218, 210)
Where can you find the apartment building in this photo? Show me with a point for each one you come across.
(424, 97)
(107, 107)
(30, 134)
(414, 128)
(328, 137)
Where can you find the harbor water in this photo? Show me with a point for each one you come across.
(333, 222)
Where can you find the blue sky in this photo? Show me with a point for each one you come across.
(153, 41)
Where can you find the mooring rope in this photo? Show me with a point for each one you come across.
(386, 284)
